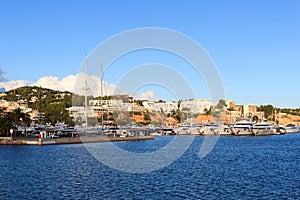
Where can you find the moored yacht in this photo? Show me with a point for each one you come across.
(291, 128)
(187, 129)
(210, 129)
(262, 128)
(115, 132)
(225, 129)
(242, 128)
(278, 129)
(168, 131)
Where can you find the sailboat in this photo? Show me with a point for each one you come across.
(113, 131)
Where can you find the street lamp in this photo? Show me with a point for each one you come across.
(11, 133)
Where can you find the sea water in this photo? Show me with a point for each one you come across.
(236, 168)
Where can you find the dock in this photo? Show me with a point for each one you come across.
(75, 140)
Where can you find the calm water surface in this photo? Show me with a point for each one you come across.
(237, 168)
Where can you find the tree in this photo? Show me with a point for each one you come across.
(12, 120)
(146, 116)
(221, 104)
(179, 103)
(5, 125)
(18, 117)
(161, 101)
(56, 113)
(208, 111)
(176, 114)
(186, 111)
(267, 109)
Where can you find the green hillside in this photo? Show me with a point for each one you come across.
(51, 103)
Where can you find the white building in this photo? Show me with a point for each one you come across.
(114, 105)
(79, 113)
(230, 104)
(195, 106)
(165, 107)
(249, 109)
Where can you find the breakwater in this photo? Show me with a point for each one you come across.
(76, 140)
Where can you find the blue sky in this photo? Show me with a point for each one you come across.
(255, 44)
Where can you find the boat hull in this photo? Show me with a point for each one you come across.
(241, 131)
(261, 132)
(209, 131)
(292, 130)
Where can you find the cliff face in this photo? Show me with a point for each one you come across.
(289, 119)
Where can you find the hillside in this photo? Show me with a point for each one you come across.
(286, 119)
(51, 103)
(38, 97)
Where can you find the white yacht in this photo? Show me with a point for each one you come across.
(242, 128)
(187, 129)
(156, 133)
(278, 129)
(262, 128)
(168, 131)
(291, 128)
(225, 129)
(115, 132)
(210, 129)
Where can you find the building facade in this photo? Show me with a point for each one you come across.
(197, 106)
(166, 107)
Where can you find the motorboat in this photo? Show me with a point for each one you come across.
(210, 129)
(225, 129)
(262, 128)
(187, 129)
(242, 128)
(156, 133)
(167, 131)
(115, 132)
(292, 128)
(278, 130)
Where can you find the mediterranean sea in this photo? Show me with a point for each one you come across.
(265, 167)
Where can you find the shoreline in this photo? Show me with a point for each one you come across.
(97, 139)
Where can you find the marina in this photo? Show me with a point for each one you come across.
(149, 100)
(117, 134)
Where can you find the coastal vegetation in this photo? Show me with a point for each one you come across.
(291, 111)
(51, 103)
(267, 109)
(12, 119)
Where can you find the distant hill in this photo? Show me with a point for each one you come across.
(51, 103)
(33, 94)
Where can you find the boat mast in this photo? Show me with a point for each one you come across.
(101, 80)
(86, 90)
(279, 117)
(275, 116)
(39, 105)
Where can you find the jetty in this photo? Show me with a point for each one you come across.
(70, 140)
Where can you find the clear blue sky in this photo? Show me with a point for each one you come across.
(255, 44)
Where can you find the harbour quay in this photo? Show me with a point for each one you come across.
(76, 140)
